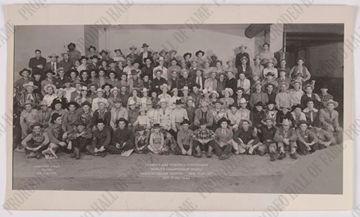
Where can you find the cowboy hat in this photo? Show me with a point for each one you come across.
(198, 52)
(49, 85)
(118, 49)
(229, 90)
(185, 121)
(36, 124)
(100, 90)
(187, 54)
(29, 84)
(178, 102)
(144, 45)
(82, 58)
(54, 117)
(185, 88)
(224, 120)
(216, 93)
(103, 52)
(331, 101)
(114, 89)
(53, 55)
(24, 70)
(73, 103)
(92, 47)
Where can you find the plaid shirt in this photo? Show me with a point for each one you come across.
(205, 134)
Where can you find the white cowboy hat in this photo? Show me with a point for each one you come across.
(231, 92)
(29, 84)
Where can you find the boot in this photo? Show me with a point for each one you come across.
(272, 157)
(77, 153)
(209, 154)
(282, 156)
(293, 156)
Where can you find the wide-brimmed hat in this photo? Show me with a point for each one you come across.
(185, 88)
(185, 121)
(198, 52)
(132, 47)
(178, 102)
(244, 57)
(86, 103)
(293, 82)
(303, 122)
(114, 89)
(103, 52)
(49, 85)
(29, 84)
(71, 44)
(56, 101)
(331, 101)
(100, 90)
(28, 102)
(242, 101)
(54, 117)
(73, 103)
(257, 104)
(118, 49)
(216, 93)
(218, 102)
(144, 45)
(295, 107)
(83, 58)
(187, 54)
(164, 86)
(94, 57)
(229, 90)
(122, 120)
(25, 70)
(224, 120)
(308, 85)
(286, 122)
(268, 84)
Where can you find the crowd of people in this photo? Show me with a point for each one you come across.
(193, 104)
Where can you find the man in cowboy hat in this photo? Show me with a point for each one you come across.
(242, 53)
(145, 53)
(329, 119)
(133, 56)
(28, 117)
(102, 113)
(203, 140)
(29, 95)
(37, 62)
(184, 139)
(324, 95)
(285, 137)
(309, 94)
(25, 77)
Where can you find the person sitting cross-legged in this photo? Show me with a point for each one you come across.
(267, 138)
(35, 142)
(101, 139)
(123, 139)
(79, 137)
(224, 141)
(203, 140)
(306, 139)
(248, 142)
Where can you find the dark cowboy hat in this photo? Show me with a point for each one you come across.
(36, 124)
(218, 102)
(86, 103)
(224, 120)
(178, 102)
(198, 52)
(71, 44)
(80, 123)
(259, 104)
(271, 102)
(83, 57)
(86, 71)
(25, 70)
(56, 101)
(118, 49)
(187, 54)
(49, 71)
(269, 84)
(122, 120)
(106, 84)
(94, 57)
(36, 72)
(73, 70)
(148, 58)
(103, 52)
(92, 46)
(295, 107)
(134, 72)
(100, 121)
(157, 125)
(185, 121)
(54, 117)
(73, 103)
(144, 45)
(93, 84)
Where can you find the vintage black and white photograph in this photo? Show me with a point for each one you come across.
(226, 108)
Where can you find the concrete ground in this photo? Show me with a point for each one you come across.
(320, 172)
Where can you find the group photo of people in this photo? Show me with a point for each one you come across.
(141, 100)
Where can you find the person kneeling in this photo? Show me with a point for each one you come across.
(123, 139)
(101, 139)
(224, 141)
(285, 137)
(184, 139)
(247, 140)
(35, 142)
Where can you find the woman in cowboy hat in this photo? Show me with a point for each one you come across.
(227, 100)
(329, 119)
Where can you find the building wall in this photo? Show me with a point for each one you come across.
(49, 39)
